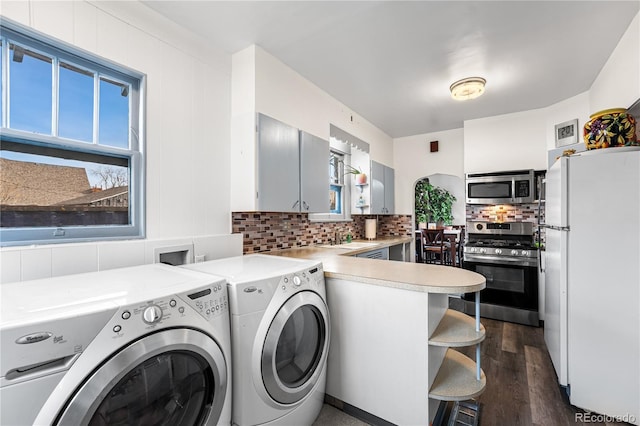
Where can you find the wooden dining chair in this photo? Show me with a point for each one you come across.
(433, 246)
(460, 247)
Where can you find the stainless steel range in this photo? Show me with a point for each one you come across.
(507, 257)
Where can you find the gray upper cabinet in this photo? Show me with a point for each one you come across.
(278, 166)
(293, 169)
(382, 189)
(314, 174)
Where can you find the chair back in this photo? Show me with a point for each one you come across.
(433, 237)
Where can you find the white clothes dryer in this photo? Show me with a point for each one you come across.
(280, 334)
(147, 345)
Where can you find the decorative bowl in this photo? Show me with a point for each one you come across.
(610, 127)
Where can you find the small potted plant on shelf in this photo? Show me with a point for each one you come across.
(360, 176)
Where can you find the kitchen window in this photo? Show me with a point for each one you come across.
(71, 161)
(336, 183)
(338, 205)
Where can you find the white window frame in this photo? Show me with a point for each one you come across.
(345, 216)
(53, 145)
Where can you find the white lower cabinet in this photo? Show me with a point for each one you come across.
(390, 352)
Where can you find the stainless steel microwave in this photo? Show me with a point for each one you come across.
(511, 187)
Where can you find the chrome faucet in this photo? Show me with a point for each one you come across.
(338, 237)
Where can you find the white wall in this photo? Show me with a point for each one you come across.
(187, 120)
(569, 109)
(413, 161)
(506, 142)
(243, 131)
(618, 84)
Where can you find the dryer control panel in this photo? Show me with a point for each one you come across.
(305, 279)
(258, 295)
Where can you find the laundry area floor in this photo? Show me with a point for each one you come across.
(331, 416)
(522, 388)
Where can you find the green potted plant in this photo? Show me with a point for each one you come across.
(433, 203)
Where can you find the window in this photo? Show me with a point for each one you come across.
(71, 163)
(336, 184)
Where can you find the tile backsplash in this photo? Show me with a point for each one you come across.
(504, 212)
(508, 213)
(265, 231)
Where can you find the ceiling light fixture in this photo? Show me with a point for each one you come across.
(467, 88)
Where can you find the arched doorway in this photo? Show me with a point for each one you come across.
(454, 185)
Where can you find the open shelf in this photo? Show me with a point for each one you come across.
(361, 186)
(456, 379)
(456, 330)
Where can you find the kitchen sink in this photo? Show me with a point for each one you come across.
(350, 246)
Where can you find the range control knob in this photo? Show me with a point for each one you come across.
(514, 252)
(525, 252)
(296, 281)
(498, 251)
(483, 250)
(152, 314)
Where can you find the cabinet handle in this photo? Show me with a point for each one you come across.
(305, 205)
(295, 204)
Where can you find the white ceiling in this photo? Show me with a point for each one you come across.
(392, 62)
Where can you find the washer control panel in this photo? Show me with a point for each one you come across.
(210, 302)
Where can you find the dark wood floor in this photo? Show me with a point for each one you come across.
(522, 388)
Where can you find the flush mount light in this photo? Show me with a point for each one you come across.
(467, 88)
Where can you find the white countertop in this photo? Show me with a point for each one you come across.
(340, 263)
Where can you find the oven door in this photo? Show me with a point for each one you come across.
(510, 285)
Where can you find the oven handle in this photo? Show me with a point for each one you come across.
(499, 259)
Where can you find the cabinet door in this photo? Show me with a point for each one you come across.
(278, 166)
(381, 254)
(389, 191)
(377, 188)
(314, 174)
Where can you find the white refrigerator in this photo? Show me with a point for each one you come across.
(592, 276)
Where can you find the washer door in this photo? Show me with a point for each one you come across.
(172, 377)
(295, 348)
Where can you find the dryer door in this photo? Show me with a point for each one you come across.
(172, 377)
(296, 347)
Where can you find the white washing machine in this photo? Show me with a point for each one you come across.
(280, 333)
(142, 345)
